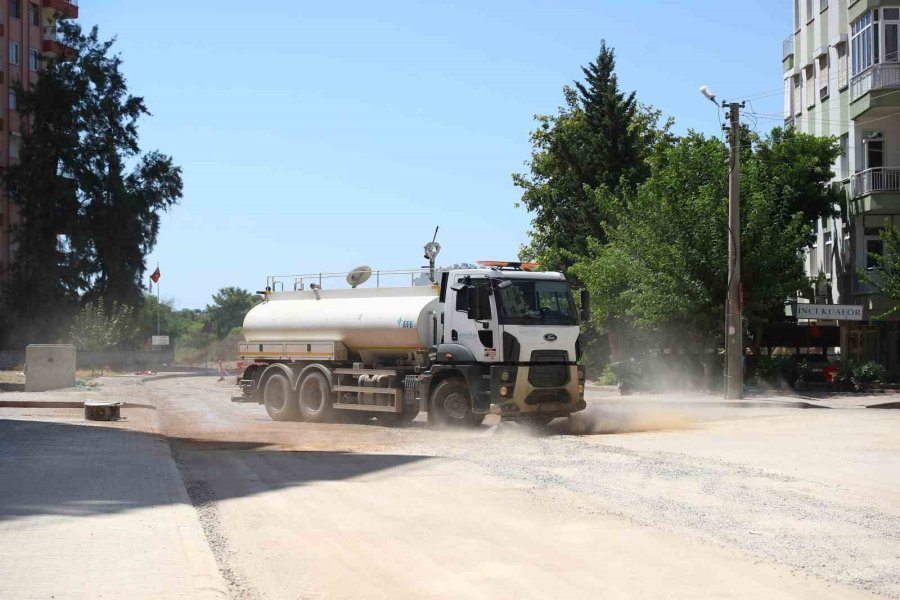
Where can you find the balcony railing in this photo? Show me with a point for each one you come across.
(787, 47)
(874, 78)
(873, 181)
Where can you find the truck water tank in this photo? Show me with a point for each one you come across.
(378, 324)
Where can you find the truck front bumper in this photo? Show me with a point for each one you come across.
(515, 395)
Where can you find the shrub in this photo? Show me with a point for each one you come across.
(607, 377)
(777, 369)
(859, 376)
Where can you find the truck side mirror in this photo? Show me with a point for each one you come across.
(585, 305)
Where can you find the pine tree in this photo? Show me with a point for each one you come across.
(584, 159)
(87, 220)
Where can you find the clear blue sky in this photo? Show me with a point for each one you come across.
(323, 135)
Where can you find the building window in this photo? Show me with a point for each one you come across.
(829, 254)
(810, 14)
(13, 99)
(15, 144)
(15, 9)
(842, 79)
(890, 22)
(844, 159)
(798, 101)
(34, 14)
(863, 45)
(788, 98)
(823, 65)
(875, 38)
(796, 15)
(873, 225)
(874, 153)
(34, 59)
(13, 53)
(810, 74)
(823, 4)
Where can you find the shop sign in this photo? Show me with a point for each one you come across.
(830, 312)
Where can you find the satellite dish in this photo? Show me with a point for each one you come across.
(359, 276)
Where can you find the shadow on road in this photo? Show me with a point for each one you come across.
(49, 468)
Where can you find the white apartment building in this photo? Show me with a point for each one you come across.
(842, 78)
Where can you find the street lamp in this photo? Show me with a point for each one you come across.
(704, 89)
(734, 345)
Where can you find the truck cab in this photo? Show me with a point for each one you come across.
(511, 334)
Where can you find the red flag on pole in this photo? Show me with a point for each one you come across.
(155, 276)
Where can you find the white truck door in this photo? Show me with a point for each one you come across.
(481, 338)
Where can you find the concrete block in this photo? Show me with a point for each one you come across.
(49, 367)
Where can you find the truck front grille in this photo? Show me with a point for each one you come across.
(553, 374)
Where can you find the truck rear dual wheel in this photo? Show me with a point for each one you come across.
(451, 405)
(315, 398)
(278, 398)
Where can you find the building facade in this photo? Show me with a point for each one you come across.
(841, 71)
(28, 36)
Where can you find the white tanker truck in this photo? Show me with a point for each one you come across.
(501, 339)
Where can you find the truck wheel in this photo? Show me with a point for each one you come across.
(451, 406)
(280, 402)
(315, 398)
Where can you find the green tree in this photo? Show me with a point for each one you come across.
(885, 273)
(599, 140)
(177, 324)
(100, 327)
(230, 306)
(89, 218)
(665, 266)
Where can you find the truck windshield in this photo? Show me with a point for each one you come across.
(536, 302)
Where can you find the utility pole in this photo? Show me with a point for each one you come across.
(734, 344)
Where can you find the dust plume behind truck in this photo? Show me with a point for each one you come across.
(502, 338)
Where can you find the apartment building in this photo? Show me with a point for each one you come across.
(27, 36)
(841, 71)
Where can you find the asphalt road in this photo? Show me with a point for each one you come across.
(631, 499)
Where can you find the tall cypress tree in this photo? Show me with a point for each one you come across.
(613, 151)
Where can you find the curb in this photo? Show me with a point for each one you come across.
(175, 375)
(885, 405)
(637, 401)
(41, 404)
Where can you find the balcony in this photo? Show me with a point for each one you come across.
(875, 181)
(876, 189)
(874, 78)
(53, 43)
(66, 8)
(787, 47)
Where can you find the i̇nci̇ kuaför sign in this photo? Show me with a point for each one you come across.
(840, 312)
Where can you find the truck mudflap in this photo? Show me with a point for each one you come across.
(537, 390)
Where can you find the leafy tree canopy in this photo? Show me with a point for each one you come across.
(665, 265)
(230, 306)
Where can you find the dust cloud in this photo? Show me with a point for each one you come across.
(623, 418)
(605, 420)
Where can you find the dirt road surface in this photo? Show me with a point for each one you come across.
(631, 499)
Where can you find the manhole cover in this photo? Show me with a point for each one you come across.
(101, 410)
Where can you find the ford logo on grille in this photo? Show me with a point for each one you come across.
(550, 337)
